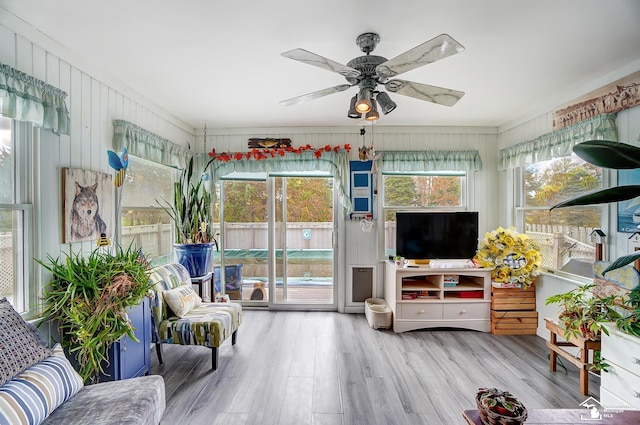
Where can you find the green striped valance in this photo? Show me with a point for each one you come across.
(147, 145)
(412, 161)
(25, 98)
(559, 143)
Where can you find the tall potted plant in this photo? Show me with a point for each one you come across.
(192, 219)
(88, 298)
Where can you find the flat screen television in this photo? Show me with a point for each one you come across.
(437, 235)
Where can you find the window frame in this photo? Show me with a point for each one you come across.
(465, 190)
(519, 210)
(26, 287)
(166, 257)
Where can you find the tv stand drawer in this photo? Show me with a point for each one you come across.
(420, 311)
(465, 311)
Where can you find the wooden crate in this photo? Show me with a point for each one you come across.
(508, 299)
(514, 322)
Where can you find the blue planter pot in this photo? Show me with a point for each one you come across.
(195, 257)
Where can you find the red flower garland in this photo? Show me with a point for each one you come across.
(260, 154)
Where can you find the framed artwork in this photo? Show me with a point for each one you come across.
(361, 188)
(629, 211)
(87, 205)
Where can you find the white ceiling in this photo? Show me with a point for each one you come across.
(219, 61)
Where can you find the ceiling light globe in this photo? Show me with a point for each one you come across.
(363, 104)
(352, 109)
(386, 104)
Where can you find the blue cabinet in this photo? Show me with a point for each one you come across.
(127, 358)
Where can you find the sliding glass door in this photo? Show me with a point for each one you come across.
(303, 235)
(277, 240)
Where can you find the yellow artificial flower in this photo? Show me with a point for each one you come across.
(514, 256)
(509, 241)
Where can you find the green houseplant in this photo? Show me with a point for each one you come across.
(87, 300)
(584, 314)
(191, 214)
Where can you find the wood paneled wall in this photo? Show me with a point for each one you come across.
(94, 104)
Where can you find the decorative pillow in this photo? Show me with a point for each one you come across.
(35, 393)
(20, 346)
(182, 299)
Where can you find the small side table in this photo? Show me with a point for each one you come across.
(204, 284)
(585, 345)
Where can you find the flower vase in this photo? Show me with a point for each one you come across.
(195, 257)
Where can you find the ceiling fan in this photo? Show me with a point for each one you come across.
(369, 71)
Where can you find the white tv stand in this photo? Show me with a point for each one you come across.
(465, 305)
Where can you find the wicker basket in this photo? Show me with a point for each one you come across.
(489, 417)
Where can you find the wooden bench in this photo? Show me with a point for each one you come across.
(583, 344)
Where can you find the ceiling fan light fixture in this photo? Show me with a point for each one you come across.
(352, 108)
(373, 114)
(363, 103)
(386, 104)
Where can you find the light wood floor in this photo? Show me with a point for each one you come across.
(332, 369)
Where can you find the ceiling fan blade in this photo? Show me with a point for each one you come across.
(439, 95)
(428, 52)
(315, 94)
(321, 62)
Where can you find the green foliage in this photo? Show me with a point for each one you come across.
(562, 179)
(582, 313)
(245, 201)
(309, 199)
(400, 191)
(599, 363)
(631, 323)
(87, 300)
(190, 209)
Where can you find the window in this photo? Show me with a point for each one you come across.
(563, 234)
(144, 222)
(16, 214)
(419, 192)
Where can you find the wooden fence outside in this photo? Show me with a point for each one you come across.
(558, 245)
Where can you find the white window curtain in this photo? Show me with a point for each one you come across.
(559, 143)
(149, 146)
(412, 161)
(25, 98)
(335, 163)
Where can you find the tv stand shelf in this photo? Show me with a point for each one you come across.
(424, 297)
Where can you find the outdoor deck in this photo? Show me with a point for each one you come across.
(296, 294)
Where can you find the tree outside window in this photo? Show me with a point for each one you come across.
(564, 233)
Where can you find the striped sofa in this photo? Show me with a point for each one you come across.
(39, 386)
(206, 324)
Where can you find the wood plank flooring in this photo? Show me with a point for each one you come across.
(325, 368)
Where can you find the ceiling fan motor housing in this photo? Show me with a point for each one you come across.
(367, 67)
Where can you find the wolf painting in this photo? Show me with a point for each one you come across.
(88, 200)
(85, 214)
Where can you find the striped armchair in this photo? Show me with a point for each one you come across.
(205, 324)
